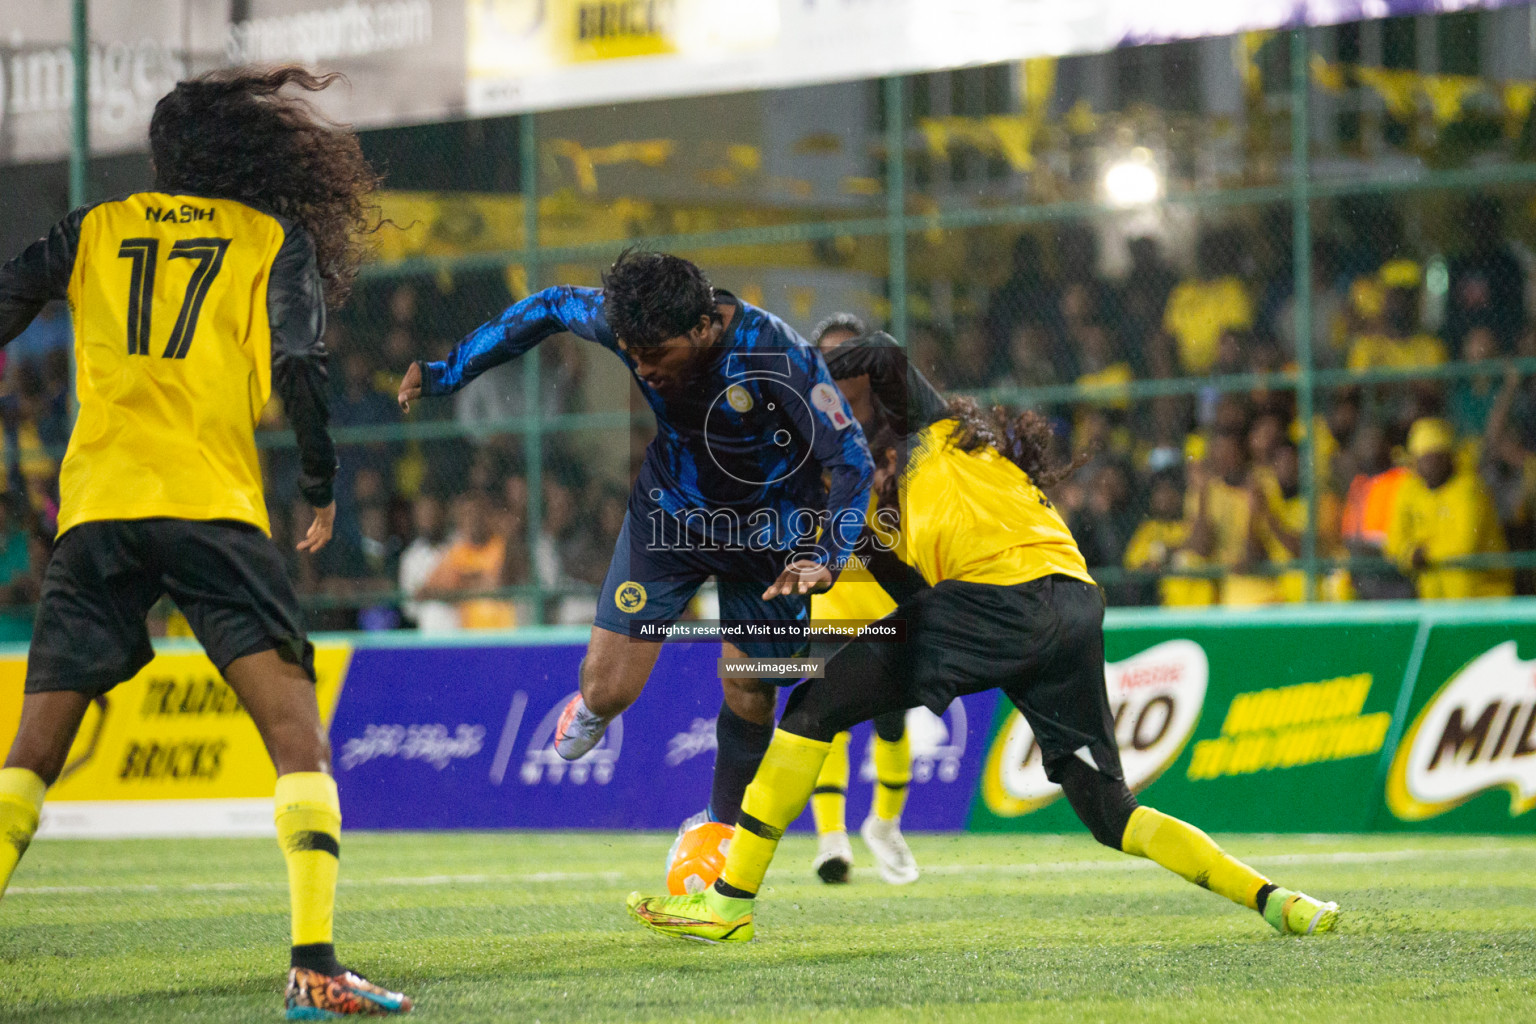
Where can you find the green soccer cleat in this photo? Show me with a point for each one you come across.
(1296, 913)
(688, 917)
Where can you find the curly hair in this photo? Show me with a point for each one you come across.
(649, 297)
(1023, 438)
(232, 134)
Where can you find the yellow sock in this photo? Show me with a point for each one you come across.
(777, 794)
(21, 798)
(309, 831)
(829, 799)
(1192, 855)
(893, 776)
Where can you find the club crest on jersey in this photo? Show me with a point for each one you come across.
(738, 397)
(630, 597)
(825, 397)
(1477, 733)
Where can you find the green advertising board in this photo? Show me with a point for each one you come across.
(1325, 719)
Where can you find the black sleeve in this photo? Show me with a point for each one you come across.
(296, 309)
(39, 275)
(896, 578)
(910, 401)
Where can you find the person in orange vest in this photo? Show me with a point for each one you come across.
(1441, 514)
(1368, 514)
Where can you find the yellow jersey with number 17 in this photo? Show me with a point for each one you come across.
(186, 309)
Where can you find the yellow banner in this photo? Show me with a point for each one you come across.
(174, 731)
(606, 29)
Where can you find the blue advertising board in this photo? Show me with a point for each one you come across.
(462, 737)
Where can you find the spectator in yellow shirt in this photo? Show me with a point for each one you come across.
(1220, 509)
(1400, 344)
(1442, 514)
(1280, 522)
(1199, 310)
(475, 561)
(1160, 543)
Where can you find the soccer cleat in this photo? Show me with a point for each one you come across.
(688, 917)
(834, 857)
(578, 730)
(694, 821)
(892, 855)
(315, 996)
(1296, 913)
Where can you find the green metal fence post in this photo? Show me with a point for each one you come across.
(80, 141)
(533, 439)
(1301, 245)
(896, 203)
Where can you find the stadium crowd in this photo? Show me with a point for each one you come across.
(1185, 499)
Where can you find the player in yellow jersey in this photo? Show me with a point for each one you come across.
(857, 597)
(192, 304)
(1008, 604)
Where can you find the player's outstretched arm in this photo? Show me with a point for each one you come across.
(906, 395)
(296, 311)
(520, 327)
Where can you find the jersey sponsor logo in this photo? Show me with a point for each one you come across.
(1291, 726)
(1155, 697)
(825, 397)
(937, 742)
(431, 744)
(1477, 733)
(541, 763)
(738, 398)
(630, 597)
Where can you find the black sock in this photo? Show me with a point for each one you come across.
(316, 956)
(725, 888)
(739, 749)
(1263, 898)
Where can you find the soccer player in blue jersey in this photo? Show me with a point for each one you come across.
(748, 422)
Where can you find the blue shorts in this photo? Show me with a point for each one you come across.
(652, 584)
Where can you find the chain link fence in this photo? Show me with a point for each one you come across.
(1243, 273)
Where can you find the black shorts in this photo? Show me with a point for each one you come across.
(227, 578)
(1041, 643)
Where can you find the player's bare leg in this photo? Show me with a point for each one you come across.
(613, 675)
(49, 721)
(280, 698)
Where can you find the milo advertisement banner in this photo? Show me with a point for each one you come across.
(1327, 720)
(1467, 758)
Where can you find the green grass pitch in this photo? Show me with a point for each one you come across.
(531, 927)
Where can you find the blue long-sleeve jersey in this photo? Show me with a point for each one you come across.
(748, 436)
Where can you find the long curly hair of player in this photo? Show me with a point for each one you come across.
(1023, 438)
(234, 134)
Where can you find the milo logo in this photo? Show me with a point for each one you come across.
(1477, 733)
(1156, 697)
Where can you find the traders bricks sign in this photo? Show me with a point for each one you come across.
(1477, 733)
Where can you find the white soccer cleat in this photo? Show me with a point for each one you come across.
(892, 856)
(579, 730)
(834, 857)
